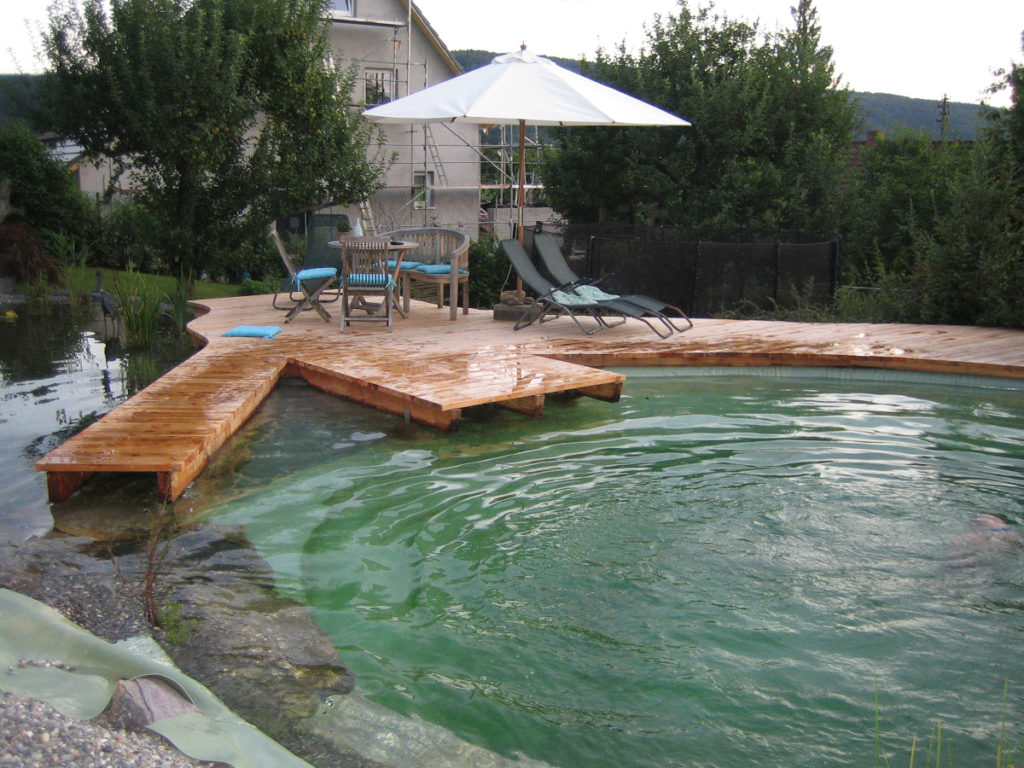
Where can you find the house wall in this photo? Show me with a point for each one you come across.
(377, 40)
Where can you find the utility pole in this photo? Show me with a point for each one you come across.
(943, 118)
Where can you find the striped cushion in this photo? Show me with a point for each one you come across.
(371, 280)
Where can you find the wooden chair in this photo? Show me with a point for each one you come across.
(442, 260)
(365, 274)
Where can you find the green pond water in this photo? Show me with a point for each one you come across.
(772, 568)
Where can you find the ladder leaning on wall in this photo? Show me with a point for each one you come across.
(366, 213)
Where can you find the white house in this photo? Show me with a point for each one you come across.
(435, 180)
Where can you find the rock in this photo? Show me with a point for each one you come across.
(143, 700)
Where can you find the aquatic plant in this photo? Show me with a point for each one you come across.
(138, 307)
(179, 311)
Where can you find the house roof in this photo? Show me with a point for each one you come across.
(432, 36)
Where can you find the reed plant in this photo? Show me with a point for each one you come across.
(179, 311)
(939, 751)
(138, 307)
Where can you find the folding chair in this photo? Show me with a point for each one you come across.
(309, 283)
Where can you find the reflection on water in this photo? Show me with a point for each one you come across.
(61, 368)
(718, 571)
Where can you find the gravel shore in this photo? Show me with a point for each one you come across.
(34, 734)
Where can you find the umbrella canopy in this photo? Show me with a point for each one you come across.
(522, 88)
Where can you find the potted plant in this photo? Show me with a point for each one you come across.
(343, 227)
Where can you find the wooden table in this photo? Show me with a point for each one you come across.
(397, 247)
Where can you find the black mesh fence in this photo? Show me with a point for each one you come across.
(706, 273)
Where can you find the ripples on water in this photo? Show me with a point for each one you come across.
(720, 570)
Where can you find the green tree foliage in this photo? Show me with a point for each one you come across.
(939, 226)
(905, 185)
(220, 114)
(44, 208)
(1001, 261)
(40, 185)
(766, 149)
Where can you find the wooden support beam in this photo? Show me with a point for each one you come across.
(532, 405)
(609, 392)
(60, 485)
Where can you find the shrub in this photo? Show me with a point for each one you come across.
(488, 272)
(23, 256)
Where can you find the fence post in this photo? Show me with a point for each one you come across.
(696, 279)
(775, 272)
(835, 254)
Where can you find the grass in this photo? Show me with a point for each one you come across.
(83, 280)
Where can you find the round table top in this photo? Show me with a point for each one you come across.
(357, 243)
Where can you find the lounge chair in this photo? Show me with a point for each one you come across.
(303, 287)
(442, 259)
(556, 266)
(553, 300)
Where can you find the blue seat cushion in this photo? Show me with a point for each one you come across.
(316, 273)
(392, 263)
(258, 331)
(437, 269)
(371, 280)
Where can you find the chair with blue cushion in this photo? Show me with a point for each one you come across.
(365, 275)
(304, 287)
(442, 259)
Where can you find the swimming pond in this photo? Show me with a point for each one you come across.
(720, 569)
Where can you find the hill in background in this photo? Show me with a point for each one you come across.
(889, 113)
(882, 111)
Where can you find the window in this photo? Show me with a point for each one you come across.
(423, 190)
(342, 8)
(380, 86)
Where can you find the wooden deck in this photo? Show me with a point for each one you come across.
(430, 369)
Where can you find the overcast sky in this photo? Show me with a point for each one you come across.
(913, 48)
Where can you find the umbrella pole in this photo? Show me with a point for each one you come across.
(522, 189)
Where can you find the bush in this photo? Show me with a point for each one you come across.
(127, 238)
(488, 272)
(23, 256)
(41, 186)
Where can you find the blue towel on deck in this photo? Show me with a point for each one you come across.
(259, 331)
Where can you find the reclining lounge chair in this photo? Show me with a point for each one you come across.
(556, 266)
(553, 300)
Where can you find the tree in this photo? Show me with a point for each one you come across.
(1002, 260)
(766, 147)
(40, 187)
(940, 225)
(221, 115)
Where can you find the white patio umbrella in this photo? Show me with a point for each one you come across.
(522, 88)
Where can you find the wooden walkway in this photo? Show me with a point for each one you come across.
(430, 368)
